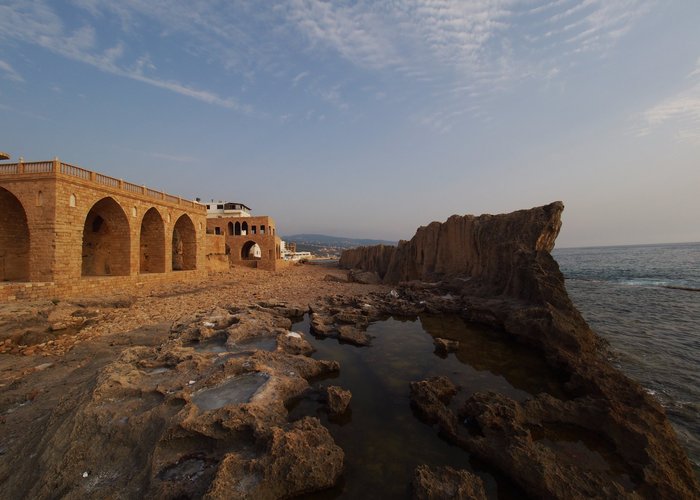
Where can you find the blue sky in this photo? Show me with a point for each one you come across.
(369, 119)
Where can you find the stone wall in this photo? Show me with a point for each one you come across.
(75, 227)
(237, 244)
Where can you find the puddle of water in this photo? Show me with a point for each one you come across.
(382, 439)
(157, 371)
(264, 343)
(235, 390)
(187, 469)
(218, 345)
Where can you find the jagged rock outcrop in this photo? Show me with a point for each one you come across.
(497, 270)
(496, 251)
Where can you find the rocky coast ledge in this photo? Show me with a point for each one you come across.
(185, 391)
(497, 270)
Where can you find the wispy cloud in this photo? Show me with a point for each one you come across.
(43, 27)
(449, 51)
(680, 113)
(9, 72)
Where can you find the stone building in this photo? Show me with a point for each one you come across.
(65, 230)
(250, 240)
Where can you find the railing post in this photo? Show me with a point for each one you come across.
(143, 190)
(92, 176)
(20, 165)
(56, 165)
(121, 184)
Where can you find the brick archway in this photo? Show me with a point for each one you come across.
(251, 251)
(152, 243)
(184, 245)
(106, 240)
(14, 239)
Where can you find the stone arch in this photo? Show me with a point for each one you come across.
(152, 243)
(244, 228)
(237, 229)
(184, 244)
(106, 240)
(14, 238)
(251, 251)
(230, 228)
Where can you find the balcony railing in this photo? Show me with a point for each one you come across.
(59, 168)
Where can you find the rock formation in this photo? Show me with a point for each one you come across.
(497, 270)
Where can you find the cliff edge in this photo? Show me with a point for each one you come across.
(497, 270)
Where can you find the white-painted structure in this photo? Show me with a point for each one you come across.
(226, 209)
(287, 255)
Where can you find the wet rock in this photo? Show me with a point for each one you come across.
(321, 325)
(445, 346)
(300, 460)
(353, 335)
(295, 343)
(429, 398)
(351, 317)
(364, 277)
(337, 399)
(438, 483)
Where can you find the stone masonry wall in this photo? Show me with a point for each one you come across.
(67, 241)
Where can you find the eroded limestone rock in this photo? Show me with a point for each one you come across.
(337, 400)
(438, 483)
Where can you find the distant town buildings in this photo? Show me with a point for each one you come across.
(289, 252)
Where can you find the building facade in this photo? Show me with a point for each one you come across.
(250, 240)
(65, 230)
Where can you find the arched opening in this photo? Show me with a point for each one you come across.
(184, 245)
(14, 239)
(253, 229)
(244, 228)
(72, 201)
(106, 240)
(237, 229)
(262, 228)
(230, 228)
(251, 251)
(152, 243)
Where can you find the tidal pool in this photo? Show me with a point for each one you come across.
(235, 390)
(218, 344)
(382, 439)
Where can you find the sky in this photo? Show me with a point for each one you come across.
(371, 118)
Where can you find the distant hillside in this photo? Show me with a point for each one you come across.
(324, 245)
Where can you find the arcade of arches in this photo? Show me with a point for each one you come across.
(108, 243)
(14, 239)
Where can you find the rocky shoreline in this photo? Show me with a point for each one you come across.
(497, 270)
(186, 393)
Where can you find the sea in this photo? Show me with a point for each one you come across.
(645, 301)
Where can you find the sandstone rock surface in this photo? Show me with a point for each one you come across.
(439, 483)
(496, 270)
(337, 399)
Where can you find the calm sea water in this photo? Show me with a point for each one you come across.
(645, 300)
